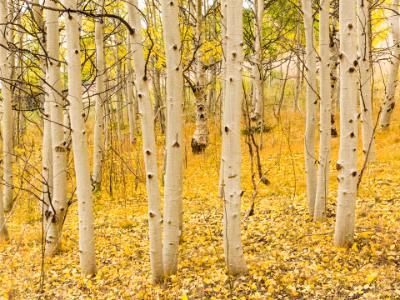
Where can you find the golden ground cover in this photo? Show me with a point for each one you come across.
(288, 255)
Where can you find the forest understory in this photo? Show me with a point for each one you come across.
(288, 255)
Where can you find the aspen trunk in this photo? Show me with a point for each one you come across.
(257, 69)
(389, 102)
(325, 114)
(223, 88)
(149, 143)
(311, 100)
(119, 94)
(98, 142)
(56, 211)
(334, 63)
(200, 136)
(47, 159)
(174, 136)
(130, 95)
(6, 95)
(3, 226)
(7, 121)
(297, 91)
(364, 36)
(159, 105)
(231, 155)
(347, 163)
(79, 144)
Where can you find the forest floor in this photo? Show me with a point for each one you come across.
(289, 256)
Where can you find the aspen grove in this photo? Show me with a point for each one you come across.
(204, 149)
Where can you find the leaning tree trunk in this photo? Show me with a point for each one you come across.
(231, 155)
(364, 36)
(200, 136)
(79, 144)
(149, 142)
(257, 69)
(347, 163)
(98, 142)
(325, 114)
(389, 102)
(56, 211)
(311, 100)
(174, 137)
(7, 121)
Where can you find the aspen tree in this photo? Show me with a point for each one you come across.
(5, 93)
(47, 159)
(257, 69)
(98, 142)
(79, 143)
(7, 120)
(174, 136)
(347, 162)
(231, 155)
(389, 102)
(200, 136)
(325, 113)
(3, 226)
(311, 101)
(334, 58)
(149, 142)
(130, 95)
(364, 43)
(223, 87)
(56, 211)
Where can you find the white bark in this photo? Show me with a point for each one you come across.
(130, 95)
(98, 142)
(364, 42)
(174, 136)
(7, 120)
(231, 155)
(311, 101)
(389, 102)
(149, 143)
(325, 114)
(79, 144)
(223, 87)
(5, 90)
(200, 136)
(257, 69)
(334, 58)
(347, 163)
(56, 212)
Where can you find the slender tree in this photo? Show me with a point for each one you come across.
(347, 162)
(257, 69)
(79, 143)
(101, 78)
(7, 120)
(200, 136)
(149, 141)
(56, 210)
(231, 155)
(364, 44)
(6, 93)
(174, 136)
(325, 113)
(389, 102)
(311, 101)
(130, 94)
